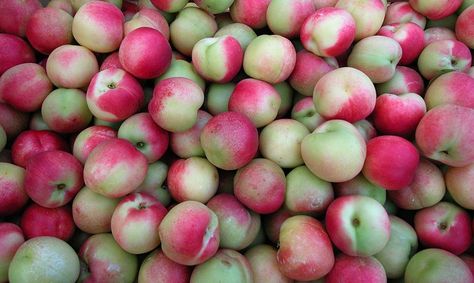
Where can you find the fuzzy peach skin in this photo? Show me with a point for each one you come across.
(304, 112)
(250, 12)
(352, 269)
(377, 56)
(194, 178)
(145, 53)
(32, 142)
(111, 61)
(438, 33)
(451, 88)
(427, 188)
(263, 260)
(71, 66)
(13, 121)
(443, 56)
(89, 138)
(158, 268)
(238, 226)
(170, 6)
(286, 135)
(410, 36)
(445, 226)
(15, 14)
(191, 25)
(92, 212)
(457, 182)
(12, 194)
(98, 25)
(306, 193)
(308, 259)
(444, 134)
(147, 17)
(25, 87)
(13, 51)
(256, 99)
(344, 93)
(66, 111)
(11, 238)
(368, 15)
(435, 10)
(53, 178)
(187, 144)
(391, 162)
(285, 17)
(146, 135)
(405, 80)
(217, 59)
(49, 28)
(328, 32)
(270, 58)
(260, 186)
(465, 28)
(114, 168)
(135, 223)
(189, 233)
(402, 12)
(357, 225)
(114, 95)
(39, 221)
(335, 151)
(309, 68)
(229, 140)
(398, 114)
(175, 104)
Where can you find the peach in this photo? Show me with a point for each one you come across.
(366, 129)
(285, 17)
(191, 25)
(451, 88)
(272, 223)
(25, 87)
(175, 104)
(306, 260)
(405, 80)
(89, 138)
(250, 12)
(170, 6)
(195, 239)
(187, 144)
(260, 186)
(286, 96)
(309, 68)
(352, 269)
(11, 238)
(359, 185)
(218, 95)
(14, 51)
(66, 111)
(402, 12)
(438, 33)
(457, 182)
(286, 135)
(13, 121)
(92, 212)
(217, 59)
(111, 61)
(328, 42)
(238, 226)
(435, 11)
(12, 193)
(185, 69)
(49, 28)
(64, 5)
(98, 25)
(229, 140)
(147, 17)
(153, 183)
(263, 260)
(139, 59)
(15, 14)
(241, 32)
(368, 15)
(465, 28)
(214, 6)
(410, 36)
(345, 93)
(257, 100)
(427, 188)
(71, 66)
(270, 58)
(194, 178)
(304, 112)
(444, 134)
(158, 268)
(114, 168)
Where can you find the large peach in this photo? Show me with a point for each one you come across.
(14, 51)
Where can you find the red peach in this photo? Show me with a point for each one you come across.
(410, 36)
(15, 14)
(451, 88)
(158, 268)
(465, 28)
(405, 80)
(350, 269)
(14, 51)
(111, 61)
(13, 121)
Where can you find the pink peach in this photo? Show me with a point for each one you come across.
(147, 17)
(465, 28)
(410, 36)
(402, 12)
(250, 12)
(89, 138)
(11, 238)
(187, 144)
(14, 51)
(158, 268)
(14, 15)
(352, 269)
(405, 80)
